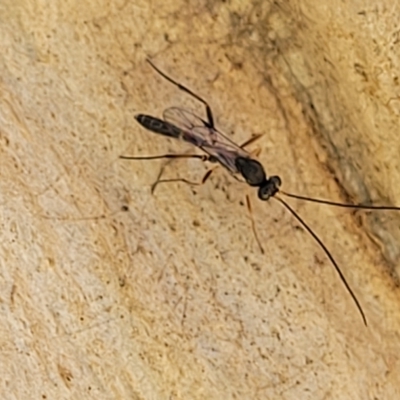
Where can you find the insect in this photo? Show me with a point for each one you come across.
(183, 124)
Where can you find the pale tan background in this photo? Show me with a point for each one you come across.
(172, 299)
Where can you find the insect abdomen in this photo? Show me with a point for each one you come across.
(158, 126)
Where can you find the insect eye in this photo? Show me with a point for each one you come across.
(251, 170)
(270, 188)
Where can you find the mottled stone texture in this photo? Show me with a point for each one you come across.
(110, 292)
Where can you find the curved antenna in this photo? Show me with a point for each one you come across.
(328, 254)
(335, 204)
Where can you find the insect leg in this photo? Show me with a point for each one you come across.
(210, 118)
(191, 183)
(253, 225)
(251, 140)
(169, 156)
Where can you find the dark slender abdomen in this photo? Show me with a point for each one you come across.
(158, 126)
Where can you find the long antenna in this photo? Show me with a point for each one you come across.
(334, 203)
(327, 252)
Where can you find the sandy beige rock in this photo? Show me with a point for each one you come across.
(172, 299)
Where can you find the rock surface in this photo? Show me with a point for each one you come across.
(109, 292)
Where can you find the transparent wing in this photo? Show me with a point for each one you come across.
(224, 152)
(182, 118)
(213, 142)
(194, 129)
